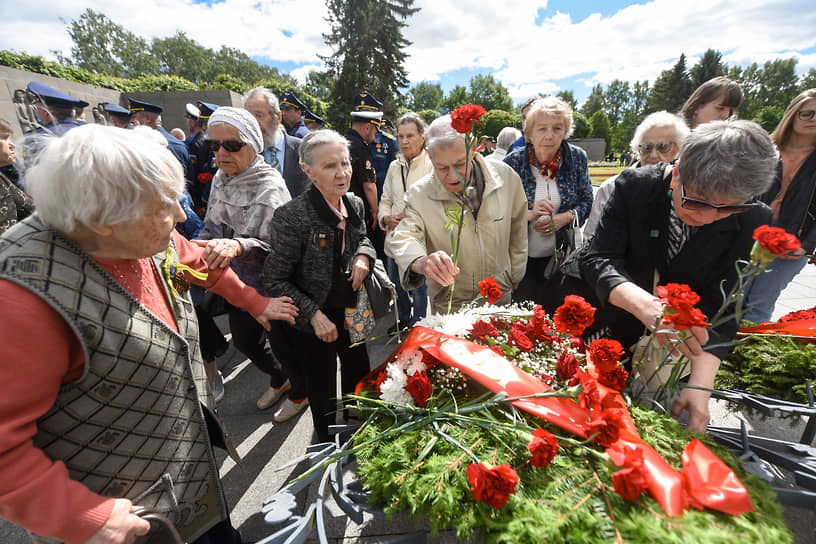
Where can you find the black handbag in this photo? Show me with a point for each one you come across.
(381, 292)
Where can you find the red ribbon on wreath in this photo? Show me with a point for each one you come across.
(704, 482)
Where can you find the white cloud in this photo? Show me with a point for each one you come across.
(636, 43)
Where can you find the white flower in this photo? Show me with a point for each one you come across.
(393, 388)
(412, 362)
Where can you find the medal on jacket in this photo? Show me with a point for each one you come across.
(173, 274)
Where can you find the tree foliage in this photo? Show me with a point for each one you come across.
(600, 126)
(568, 97)
(594, 102)
(368, 53)
(456, 97)
(671, 88)
(495, 120)
(582, 127)
(426, 96)
(708, 67)
(489, 93)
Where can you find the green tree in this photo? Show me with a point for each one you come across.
(594, 102)
(640, 96)
(368, 53)
(623, 131)
(671, 88)
(582, 127)
(489, 93)
(104, 47)
(616, 100)
(600, 126)
(428, 115)
(569, 98)
(319, 84)
(769, 116)
(772, 84)
(709, 66)
(495, 120)
(229, 60)
(426, 96)
(183, 56)
(456, 97)
(808, 80)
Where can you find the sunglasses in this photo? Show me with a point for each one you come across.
(229, 145)
(701, 205)
(662, 147)
(807, 115)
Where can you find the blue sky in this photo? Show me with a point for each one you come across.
(531, 46)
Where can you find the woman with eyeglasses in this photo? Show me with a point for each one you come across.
(657, 139)
(238, 226)
(793, 201)
(688, 223)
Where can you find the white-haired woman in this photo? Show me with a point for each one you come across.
(556, 181)
(657, 139)
(102, 372)
(319, 257)
(245, 193)
(413, 165)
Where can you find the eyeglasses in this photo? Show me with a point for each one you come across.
(662, 147)
(807, 115)
(229, 145)
(701, 205)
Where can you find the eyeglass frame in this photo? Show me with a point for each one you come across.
(721, 208)
(810, 114)
(214, 145)
(645, 149)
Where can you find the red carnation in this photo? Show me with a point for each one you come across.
(481, 329)
(539, 327)
(492, 486)
(566, 367)
(463, 117)
(677, 295)
(614, 377)
(574, 316)
(589, 396)
(204, 177)
(577, 343)
(776, 240)
(420, 388)
(543, 447)
(607, 427)
(499, 322)
(686, 319)
(490, 290)
(518, 336)
(630, 481)
(798, 315)
(605, 353)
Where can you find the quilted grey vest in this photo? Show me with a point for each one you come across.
(134, 424)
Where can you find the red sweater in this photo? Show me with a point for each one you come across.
(40, 354)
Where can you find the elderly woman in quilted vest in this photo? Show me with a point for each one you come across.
(106, 404)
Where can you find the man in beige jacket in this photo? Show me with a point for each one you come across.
(494, 235)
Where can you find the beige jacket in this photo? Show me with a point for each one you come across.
(493, 245)
(400, 177)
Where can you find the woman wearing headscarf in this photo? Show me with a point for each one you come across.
(245, 193)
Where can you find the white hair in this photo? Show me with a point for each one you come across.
(506, 137)
(269, 96)
(660, 119)
(315, 139)
(99, 175)
(150, 132)
(440, 132)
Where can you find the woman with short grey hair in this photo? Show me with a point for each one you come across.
(657, 139)
(412, 165)
(687, 223)
(238, 225)
(319, 256)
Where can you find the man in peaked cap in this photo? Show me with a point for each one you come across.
(313, 121)
(55, 110)
(202, 160)
(117, 115)
(191, 114)
(145, 113)
(364, 122)
(292, 111)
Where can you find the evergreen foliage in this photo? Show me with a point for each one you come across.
(582, 126)
(708, 67)
(600, 127)
(368, 53)
(495, 120)
(570, 501)
(671, 88)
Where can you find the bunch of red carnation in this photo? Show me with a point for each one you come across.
(679, 311)
(606, 357)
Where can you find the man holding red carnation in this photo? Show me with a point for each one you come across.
(683, 224)
(493, 240)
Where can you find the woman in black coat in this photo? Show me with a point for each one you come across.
(320, 256)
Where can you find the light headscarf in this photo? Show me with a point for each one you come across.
(243, 121)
